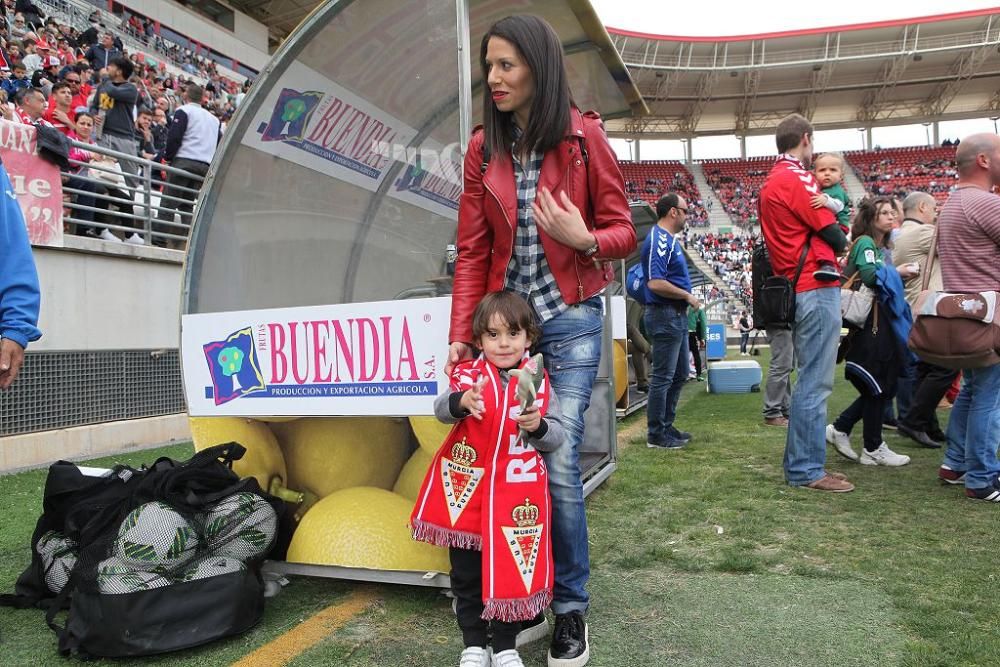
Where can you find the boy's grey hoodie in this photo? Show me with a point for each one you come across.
(550, 434)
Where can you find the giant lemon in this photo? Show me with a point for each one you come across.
(263, 458)
(621, 369)
(326, 454)
(363, 527)
(430, 432)
(414, 472)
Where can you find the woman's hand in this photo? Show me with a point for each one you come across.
(562, 222)
(457, 352)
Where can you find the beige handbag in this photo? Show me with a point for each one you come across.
(856, 304)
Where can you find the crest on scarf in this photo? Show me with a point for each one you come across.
(459, 478)
(524, 540)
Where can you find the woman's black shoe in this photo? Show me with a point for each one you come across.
(570, 647)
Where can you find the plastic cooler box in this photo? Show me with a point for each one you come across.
(734, 377)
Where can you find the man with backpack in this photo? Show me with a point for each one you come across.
(667, 297)
(789, 223)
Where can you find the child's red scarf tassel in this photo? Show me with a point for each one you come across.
(488, 490)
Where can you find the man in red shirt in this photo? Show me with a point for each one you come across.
(790, 224)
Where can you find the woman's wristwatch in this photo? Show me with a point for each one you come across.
(592, 250)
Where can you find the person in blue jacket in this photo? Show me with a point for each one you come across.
(20, 296)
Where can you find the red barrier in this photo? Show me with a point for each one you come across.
(37, 183)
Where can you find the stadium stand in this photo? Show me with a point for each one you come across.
(728, 256)
(649, 180)
(736, 183)
(899, 171)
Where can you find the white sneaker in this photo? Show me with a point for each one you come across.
(108, 236)
(883, 456)
(841, 442)
(532, 632)
(508, 658)
(135, 239)
(475, 656)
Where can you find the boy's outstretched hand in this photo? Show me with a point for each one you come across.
(530, 419)
(472, 399)
(819, 201)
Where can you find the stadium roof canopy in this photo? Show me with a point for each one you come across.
(882, 73)
(860, 75)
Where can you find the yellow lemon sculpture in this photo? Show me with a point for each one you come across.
(621, 369)
(430, 433)
(408, 484)
(363, 527)
(327, 454)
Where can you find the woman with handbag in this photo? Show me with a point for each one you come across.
(542, 210)
(872, 351)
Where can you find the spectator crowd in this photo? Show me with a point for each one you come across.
(84, 84)
(728, 255)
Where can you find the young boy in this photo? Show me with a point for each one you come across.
(829, 169)
(17, 81)
(486, 493)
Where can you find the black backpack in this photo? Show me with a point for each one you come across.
(773, 302)
(123, 597)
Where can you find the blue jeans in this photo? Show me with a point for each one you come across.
(571, 347)
(666, 329)
(974, 428)
(815, 334)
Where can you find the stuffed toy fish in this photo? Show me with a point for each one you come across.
(529, 379)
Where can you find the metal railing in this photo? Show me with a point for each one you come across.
(128, 197)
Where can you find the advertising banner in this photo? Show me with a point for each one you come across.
(715, 348)
(377, 358)
(318, 124)
(311, 121)
(37, 183)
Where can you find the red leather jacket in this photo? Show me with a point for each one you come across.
(487, 219)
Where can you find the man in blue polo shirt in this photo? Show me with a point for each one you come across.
(667, 300)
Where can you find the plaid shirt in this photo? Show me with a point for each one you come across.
(528, 272)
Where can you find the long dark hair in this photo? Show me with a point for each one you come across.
(539, 46)
(864, 220)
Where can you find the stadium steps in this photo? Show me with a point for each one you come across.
(717, 217)
(703, 266)
(855, 188)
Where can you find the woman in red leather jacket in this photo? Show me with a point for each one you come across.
(542, 212)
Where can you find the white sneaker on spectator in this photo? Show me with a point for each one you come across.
(475, 656)
(135, 239)
(841, 442)
(108, 236)
(883, 456)
(508, 658)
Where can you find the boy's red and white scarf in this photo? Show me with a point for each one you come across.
(488, 490)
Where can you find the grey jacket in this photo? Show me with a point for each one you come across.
(550, 434)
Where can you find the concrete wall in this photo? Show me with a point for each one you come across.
(101, 296)
(97, 295)
(247, 43)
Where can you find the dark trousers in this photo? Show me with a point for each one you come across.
(695, 351)
(467, 587)
(868, 409)
(173, 189)
(932, 384)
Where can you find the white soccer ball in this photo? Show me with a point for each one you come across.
(117, 577)
(154, 536)
(241, 526)
(59, 554)
(210, 566)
